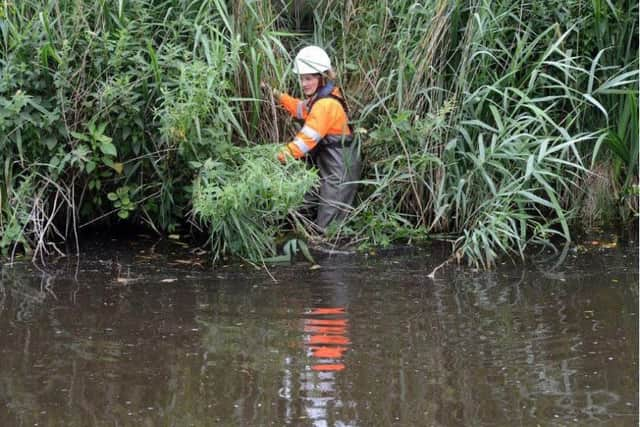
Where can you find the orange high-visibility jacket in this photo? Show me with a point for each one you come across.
(327, 117)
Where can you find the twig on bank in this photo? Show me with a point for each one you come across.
(264, 266)
(432, 275)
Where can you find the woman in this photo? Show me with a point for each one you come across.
(325, 138)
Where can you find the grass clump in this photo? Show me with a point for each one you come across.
(483, 116)
(245, 197)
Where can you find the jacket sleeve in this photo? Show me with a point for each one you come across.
(296, 107)
(316, 127)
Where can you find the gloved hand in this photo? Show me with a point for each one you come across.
(264, 85)
(283, 155)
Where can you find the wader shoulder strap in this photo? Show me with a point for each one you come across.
(326, 92)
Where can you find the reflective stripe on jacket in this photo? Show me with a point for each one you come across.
(327, 118)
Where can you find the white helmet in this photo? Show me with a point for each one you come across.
(311, 60)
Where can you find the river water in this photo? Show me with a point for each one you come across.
(127, 336)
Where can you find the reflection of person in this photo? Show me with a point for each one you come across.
(326, 138)
(317, 380)
(326, 341)
(327, 337)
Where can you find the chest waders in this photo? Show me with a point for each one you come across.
(337, 158)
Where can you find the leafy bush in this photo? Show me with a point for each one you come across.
(244, 200)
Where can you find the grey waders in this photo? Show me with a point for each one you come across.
(337, 158)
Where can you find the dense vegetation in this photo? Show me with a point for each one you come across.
(499, 123)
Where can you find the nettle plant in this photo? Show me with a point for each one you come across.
(95, 148)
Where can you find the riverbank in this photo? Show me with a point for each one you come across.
(129, 245)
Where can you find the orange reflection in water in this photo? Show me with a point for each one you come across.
(326, 341)
(327, 337)
(328, 367)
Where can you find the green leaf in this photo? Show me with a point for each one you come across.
(536, 199)
(102, 138)
(101, 128)
(530, 166)
(278, 259)
(50, 142)
(305, 251)
(118, 167)
(107, 161)
(595, 102)
(90, 166)
(80, 136)
(108, 148)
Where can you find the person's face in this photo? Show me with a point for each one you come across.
(310, 83)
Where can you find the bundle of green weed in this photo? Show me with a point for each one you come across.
(245, 200)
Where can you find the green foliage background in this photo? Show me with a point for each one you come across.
(488, 121)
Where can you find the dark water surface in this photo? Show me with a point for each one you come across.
(130, 338)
